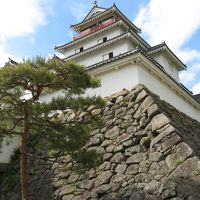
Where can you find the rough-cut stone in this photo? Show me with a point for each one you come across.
(145, 141)
(152, 110)
(121, 168)
(170, 129)
(107, 156)
(90, 108)
(112, 133)
(117, 158)
(141, 96)
(182, 153)
(105, 143)
(159, 121)
(72, 178)
(123, 138)
(119, 148)
(177, 198)
(143, 178)
(170, 142)
(137, 195)
(103, 178)
(134, 149)
(117, 94)
(94, 142)
(98, 149)
(68, 197)
(140, 133)
(71, 117)
(132, 169)
(86, 184)
(152, 187)
(102, 189)
(67, 189)
(96, 111)
(187, 168)
(120, 112)
(169, 193)
(143, 107)
(136, 158)
(119, 99)
(156, 156)
(128, 143)
(110, 148)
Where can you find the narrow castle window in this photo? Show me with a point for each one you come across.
(99, 41)
(79, 50)
(108, 56)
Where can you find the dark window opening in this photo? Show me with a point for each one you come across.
(110, 55)
(104, 39)
(81, 49)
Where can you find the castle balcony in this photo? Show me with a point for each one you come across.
(95, 28)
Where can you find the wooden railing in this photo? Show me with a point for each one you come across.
(94, 29)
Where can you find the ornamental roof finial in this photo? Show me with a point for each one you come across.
(95, 3)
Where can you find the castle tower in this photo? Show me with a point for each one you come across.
(109, 45)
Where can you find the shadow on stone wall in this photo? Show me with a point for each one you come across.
(40, 180)
(176, 189)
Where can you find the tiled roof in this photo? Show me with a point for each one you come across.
(119, 37)
(163, 46)
(112, 59)
(197, 97)
(81, 39)
(96, 16)
(113, 8)
(139, 50)
(95, 6)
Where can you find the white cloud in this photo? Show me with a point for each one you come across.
(173, 21)
(196, 88)
(191, 75)
(188, 55)
(18, 18)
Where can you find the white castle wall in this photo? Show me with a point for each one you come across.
(168, 66)
(130, 75)
(116, 80)
(168, 94)
(96, 56)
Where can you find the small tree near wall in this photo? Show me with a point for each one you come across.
(29, 118)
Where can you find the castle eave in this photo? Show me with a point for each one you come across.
(62, 48)
(164, 48)
(115, 39)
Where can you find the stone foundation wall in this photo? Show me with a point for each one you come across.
(150, 152)
(146, 153)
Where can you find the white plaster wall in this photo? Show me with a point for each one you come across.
(128, 76)
(116, 80)
(49, 97)
(112, 81)
(92, 41)
(130, 45)
(8, 147)
(97, 56)
(167, 94)
(168, 66)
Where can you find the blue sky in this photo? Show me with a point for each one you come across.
(35, 27)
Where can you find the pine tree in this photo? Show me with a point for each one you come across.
(29, 118)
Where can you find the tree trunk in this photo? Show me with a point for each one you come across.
(23, 173)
